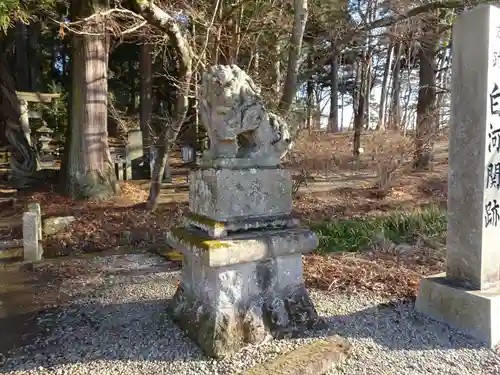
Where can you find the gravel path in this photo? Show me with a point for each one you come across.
(117, 324)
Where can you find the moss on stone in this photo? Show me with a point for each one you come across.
(13, 253)
(219, 332)
(184, 235)
(214, 337)
(314, 358)
(206, 221)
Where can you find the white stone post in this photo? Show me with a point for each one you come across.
(31, 237)
(468, 295)
(35, 207)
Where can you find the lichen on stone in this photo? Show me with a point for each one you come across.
(222, 331)
(191, 239)
(206, 222)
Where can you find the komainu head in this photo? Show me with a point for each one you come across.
(237, 120)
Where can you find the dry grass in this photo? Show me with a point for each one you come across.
(378, 183)
(345, 187)
(393, 272)
(323, 153)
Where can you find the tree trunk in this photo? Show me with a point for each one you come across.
(218, 6)
(146, 90)
(35, 65)
(368, 88)
(256, 62)
(166, 23)
(310, 97)
(358, 81)
(276, 70)
(342, 111)
(22, 67)
(132, 73)
(358, 124)
(23, 157)
(442, 81)
(406, 106)
(396, 89)
(333, 118)
(90, 171)
(426, 104)
(299, 25)
(385, 86)
(359, 113)
(236, 34)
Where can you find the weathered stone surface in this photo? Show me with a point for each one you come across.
(232, 312)
(473, 259)
(240, 282)
(16, 253)
(241, 301)
(315, 358)
(225, 194)
(218, 229)
(35, 207)
(11, 250)
(169, 253)
(476, 313)
(241, 247)
(32, 247)
(134, 148)
(9, 244)
(53, 225)
(468, 295)
(237, 121)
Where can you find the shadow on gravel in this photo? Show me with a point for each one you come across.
(136, 327)
(142, 331)
(397, 326)
(23, 295)
(136, 331)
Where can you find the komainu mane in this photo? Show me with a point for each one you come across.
(238, 124)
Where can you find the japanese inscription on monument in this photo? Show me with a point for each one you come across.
(492, 172)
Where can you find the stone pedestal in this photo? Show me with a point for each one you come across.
(468, 295)
(233, 194)
(242, 261)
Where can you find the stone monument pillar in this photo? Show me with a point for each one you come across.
(468, 295)
(242, 250)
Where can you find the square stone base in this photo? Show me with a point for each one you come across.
(221, 229)
(235, 194)
(242, 289)
(476, 313)
(241, 247)
(225, 309)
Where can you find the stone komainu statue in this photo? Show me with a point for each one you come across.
(238, 124)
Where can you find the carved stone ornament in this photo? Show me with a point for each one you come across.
(241, 130)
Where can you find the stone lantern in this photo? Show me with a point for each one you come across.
(44, 136)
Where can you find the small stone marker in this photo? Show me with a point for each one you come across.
(468, 295)
(312, 359)
(31, 245)
(133, 150)
(134, 147)
(35, 207)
